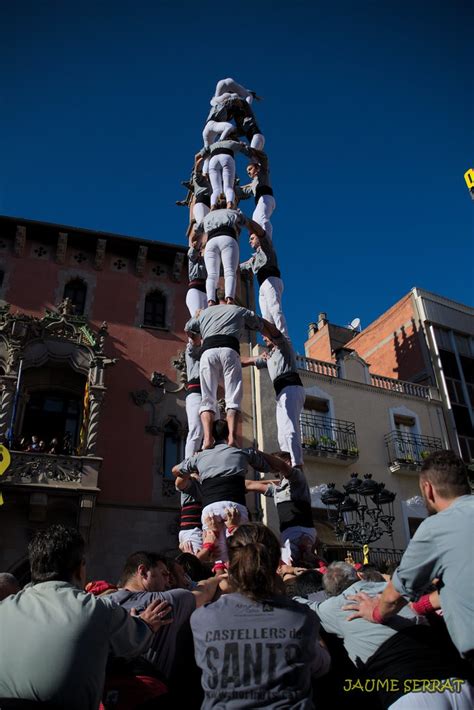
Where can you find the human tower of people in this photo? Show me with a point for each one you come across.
(264, 634)
(212, 478)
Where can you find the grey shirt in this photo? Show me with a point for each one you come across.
(223, 461)
(361, 638)
(264, 255)
(257, 654)
(441, 547)
(192, 493)
(196, 265)
(292, 488)
(282, 359)
(234, 146)
(201, 185)
(55, 640)
(225, 320)
(261, 179)
(163, 649)
(222, 218)
(191, 356)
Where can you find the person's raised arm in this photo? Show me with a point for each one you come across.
(270, 330)
(253, 227)
(206, 590)
(248, 361)
(185, 468)
(257, 486)
(277, 464)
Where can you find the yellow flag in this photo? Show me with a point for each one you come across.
(5, 460)
(365, 550)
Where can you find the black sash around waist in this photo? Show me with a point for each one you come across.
(262, 190)
(203, 199)
(295, 513)
(266, 271)
(223, 488)
(282, 381)
(221, 151)
(222, 232)
(198, 284)
(220, 341)
(190, 516)
(193, 386)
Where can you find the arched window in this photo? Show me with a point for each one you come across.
(76, 291)
(172, 447)
(155, 310)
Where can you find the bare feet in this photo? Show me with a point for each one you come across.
(230, 301)
(208, 444)
(211, 303)
(230, 205)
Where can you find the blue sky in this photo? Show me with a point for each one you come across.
(367, 114)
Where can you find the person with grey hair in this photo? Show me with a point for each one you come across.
(338, 577)
(8, 585)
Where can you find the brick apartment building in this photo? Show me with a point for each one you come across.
(425, 339)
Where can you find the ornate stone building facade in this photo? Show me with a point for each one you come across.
(91, 343)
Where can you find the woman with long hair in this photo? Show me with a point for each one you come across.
(257, 648)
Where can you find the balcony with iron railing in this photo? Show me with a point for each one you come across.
(333, 439)
(406, 452)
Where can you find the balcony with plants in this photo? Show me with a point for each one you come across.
(406, 452)
(333, 439)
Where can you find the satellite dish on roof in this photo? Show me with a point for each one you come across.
(355, 324)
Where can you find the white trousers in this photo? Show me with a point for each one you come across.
(216, 130)
(218, 509)
(195, 299)
(222, 176)
(194, 438)
(193, 536)
(214, 364)
(262, 213)
(226, 87)
(225, 249)
(269, 299)
(289, 404)
(290, 540)
(200, 210)
(258, 141)
(446, 700)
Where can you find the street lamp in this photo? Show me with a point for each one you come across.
(363, 513)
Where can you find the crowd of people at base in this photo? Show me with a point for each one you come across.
(257, 633)
(35, 444)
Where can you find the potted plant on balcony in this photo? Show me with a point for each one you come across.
(424, 454)
(353, 451)
(310, 442)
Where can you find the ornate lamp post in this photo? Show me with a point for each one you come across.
(363, 513)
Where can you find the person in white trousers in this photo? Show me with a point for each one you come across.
(229, 89)
(221, 230)
(201, 189)
(221, 327)
(221, 156)
(264, 265)
(193, 393)
(280, 359)
(196, 298)
(262, 190)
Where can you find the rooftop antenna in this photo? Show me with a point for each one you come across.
(355, 325)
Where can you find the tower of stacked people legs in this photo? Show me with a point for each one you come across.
(212, 478)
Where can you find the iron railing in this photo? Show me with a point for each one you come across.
(328, 436)
(380, 557)
(408, 449)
